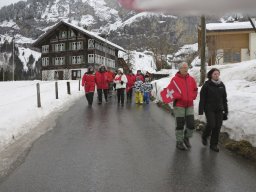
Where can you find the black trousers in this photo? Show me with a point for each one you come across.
(89, 97)
(213, 126)
(129, 95)
(105, 91)
(120, 96)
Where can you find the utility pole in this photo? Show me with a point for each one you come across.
(13, 54)
(203, 45)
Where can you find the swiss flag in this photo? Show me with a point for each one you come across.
(171, 92)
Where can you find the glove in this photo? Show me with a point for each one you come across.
(122, 82)
(225, 116)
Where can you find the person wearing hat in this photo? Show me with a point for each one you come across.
(88, 82)
(102, 83)
(120, 80)
(213, 102)
(183, 106)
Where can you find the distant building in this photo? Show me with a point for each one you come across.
(229, 42)
(67, 51)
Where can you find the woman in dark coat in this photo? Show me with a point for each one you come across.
(213, 102)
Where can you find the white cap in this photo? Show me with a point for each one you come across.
(121, 70)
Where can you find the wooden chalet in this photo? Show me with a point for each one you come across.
(229, 42)
(68, 50)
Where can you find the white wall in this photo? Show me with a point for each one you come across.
(48, 75)
(252, 45)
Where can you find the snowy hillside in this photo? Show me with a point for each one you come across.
(140, 61)
(240, 81)
(21, 97)
(24, 55)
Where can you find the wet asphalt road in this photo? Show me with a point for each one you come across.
(131, 149)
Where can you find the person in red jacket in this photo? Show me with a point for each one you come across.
(129, 87)
(102, 83)
(88, 82)
(183, 106)
(111, 76)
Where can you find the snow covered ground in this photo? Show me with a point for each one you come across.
(240, 81)
(18, 106)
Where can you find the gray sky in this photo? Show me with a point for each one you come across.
(8, 2)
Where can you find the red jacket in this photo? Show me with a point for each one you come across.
(110, 76)
(88, 82)
(188, 88)
(140, 76)
(102, 80)
(131, 80)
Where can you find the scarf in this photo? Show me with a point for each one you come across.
(216, 82)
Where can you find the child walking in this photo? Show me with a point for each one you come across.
(138, 91)
(147, 88)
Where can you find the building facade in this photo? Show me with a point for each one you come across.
(67, 51)
(229, 42)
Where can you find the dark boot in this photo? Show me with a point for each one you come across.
(180, 146)
(215, 148)
(204, 141)
(187, 143)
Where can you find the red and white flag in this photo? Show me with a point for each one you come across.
(171, 92)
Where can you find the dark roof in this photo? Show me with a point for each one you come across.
(80, 29)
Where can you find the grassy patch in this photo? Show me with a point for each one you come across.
(242, 148)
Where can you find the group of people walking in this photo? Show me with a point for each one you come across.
(213, 102)
(213, 98)
(105, 81)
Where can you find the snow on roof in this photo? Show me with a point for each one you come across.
(91, 34)
(228, 26)
(187, 49)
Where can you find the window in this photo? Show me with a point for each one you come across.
(63, 34)
(77, 59)
(232, 56)
(91, 43)
(76, 45)
(45, 61)
(45, 49)
(61, 47)
(73, 45)
(71, 33)
(74, 60)
(90, 58)
(56, 48)
(59, 61)
(79, 45)
(97, 46)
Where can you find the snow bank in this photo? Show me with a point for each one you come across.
(240, 81)
(18, 106)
